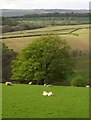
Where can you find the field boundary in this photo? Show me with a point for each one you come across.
(44, 33)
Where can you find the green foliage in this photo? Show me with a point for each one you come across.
(6, 28)
(34, 21)
(7, 56)
(9, 21)
(78, 81)
(47, 59)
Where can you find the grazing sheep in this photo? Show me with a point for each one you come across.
(49, 85)
(50, 94)
(87, 86)
(9, 83)
(45, 93)
(45, 85)
(30, 83)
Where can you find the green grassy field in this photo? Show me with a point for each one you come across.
(25, 101)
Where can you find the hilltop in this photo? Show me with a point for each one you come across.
(22, 12)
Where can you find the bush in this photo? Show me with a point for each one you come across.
(6, 28)
(63, 83)
(78, 81)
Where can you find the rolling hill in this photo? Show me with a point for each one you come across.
(20, 12)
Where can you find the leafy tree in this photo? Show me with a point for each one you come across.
(47, 59)
(9, 21)
(7, 56)
(6, 28)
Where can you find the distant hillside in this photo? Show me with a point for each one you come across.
(19, 12)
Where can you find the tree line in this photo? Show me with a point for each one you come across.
(17, 23)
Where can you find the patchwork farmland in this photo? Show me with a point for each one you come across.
(27, 101)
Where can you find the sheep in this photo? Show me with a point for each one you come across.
(9, 83)
(49, 85)
(45, 85)
(87, 86)
(50, 94)
(30, 83)
(45, 93)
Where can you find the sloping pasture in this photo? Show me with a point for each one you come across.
(27, 101)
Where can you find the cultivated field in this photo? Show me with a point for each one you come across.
(77, 36)
(27, 101)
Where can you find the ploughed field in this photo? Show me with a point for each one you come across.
(27, 101)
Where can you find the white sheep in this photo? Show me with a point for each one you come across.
(87, 86)
(49, 85)
(45, 93)
(30, 83)
(9, 83)
(45, 85)
(50, 94)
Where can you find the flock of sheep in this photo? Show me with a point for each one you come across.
(45, 93)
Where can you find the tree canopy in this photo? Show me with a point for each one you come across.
(7, 56)
(47, 59)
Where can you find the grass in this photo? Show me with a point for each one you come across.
(82, 66)
(77, 36)
(17, 44)
(78, 40)
(25, 101)
(59, 30)
(83, 62)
